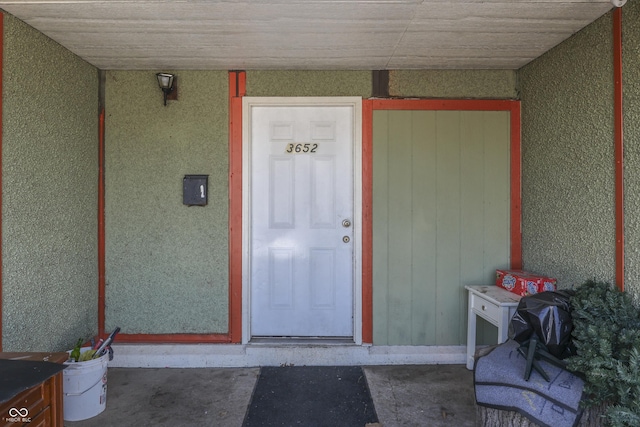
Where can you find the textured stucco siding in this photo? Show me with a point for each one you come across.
(477, 84)
(49, 192)
(631, 94)
(309, 83)
(166, 263)
(568, 203)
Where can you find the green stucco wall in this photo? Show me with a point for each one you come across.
(631, 94)
(477, 84)
(166, 263)
(455, 84)
(49, 193)
(568, 203)
(309, 83)
(163, 257)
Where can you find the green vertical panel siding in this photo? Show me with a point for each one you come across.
(497, 175)
(423, 244)
(441, 220)
(380, 224)
(400, 274)
(472, 205)
(448, 204)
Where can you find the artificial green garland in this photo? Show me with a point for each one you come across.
(606, 335)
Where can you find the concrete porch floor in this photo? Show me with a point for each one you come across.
(405, 395)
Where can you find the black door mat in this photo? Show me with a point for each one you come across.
(311, 396)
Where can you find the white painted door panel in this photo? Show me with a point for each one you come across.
(301, 194)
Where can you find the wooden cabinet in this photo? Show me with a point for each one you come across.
(40, 405)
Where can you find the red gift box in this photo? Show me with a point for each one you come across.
(523, 282)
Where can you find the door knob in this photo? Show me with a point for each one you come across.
(346, 223)
(346, 239)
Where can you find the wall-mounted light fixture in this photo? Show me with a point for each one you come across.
(166, 83)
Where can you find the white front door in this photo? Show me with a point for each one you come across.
(301, 220)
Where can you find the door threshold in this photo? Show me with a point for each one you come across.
(307, 341)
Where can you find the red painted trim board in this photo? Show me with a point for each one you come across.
(618, 145)
(444, 104)
(237, 89)
(367, 221)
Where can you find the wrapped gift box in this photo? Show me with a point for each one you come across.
(523, 282)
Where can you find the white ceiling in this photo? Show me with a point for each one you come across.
(308, 34)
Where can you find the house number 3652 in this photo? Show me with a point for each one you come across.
(301, 148)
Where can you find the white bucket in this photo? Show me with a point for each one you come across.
(85, 388)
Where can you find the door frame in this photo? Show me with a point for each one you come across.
(356, 104)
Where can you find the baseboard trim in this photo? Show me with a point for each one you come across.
(252, 355)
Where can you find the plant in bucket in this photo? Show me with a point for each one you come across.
(85, 379)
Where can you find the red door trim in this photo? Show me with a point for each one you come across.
(444, 104)
(367, 221)
(368, 106)
(367, 233)
(237, 89)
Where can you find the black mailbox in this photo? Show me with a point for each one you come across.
(194, 190)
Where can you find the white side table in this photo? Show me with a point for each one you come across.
(495, 305)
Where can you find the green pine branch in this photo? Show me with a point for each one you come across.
(606, 336)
